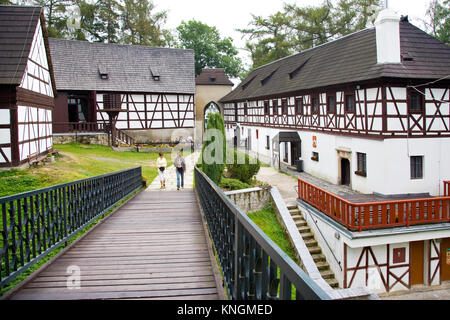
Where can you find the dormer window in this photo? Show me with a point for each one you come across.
(155, 74)
(212, 78)
(103, 72)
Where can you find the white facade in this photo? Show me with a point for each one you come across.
(30, 120)
(381, 128)
(151, 111)
(36, 77)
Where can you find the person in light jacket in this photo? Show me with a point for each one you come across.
(161, 163)
(180, 167)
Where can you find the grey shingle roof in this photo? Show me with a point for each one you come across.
(349, 59)
(213, 77)
(76, 66)
(17, 26)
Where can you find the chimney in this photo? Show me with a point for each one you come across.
(388, 37)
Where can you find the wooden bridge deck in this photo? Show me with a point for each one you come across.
(154, 247)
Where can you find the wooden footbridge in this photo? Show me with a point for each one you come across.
(157, 245)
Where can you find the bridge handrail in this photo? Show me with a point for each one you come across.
(253, 266)
(33, 224)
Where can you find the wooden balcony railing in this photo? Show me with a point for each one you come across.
(373, 215)
(446, 188)
(80, 127)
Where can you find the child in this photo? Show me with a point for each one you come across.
(161, 163)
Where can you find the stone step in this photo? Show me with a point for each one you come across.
(304, 229)
(315, 250)
(292, 206)
(307, 235)
(333, 283)
(318, 257)
(327, 274)
(301, 223)
(297, 217)
(311, 243)
(322, 265)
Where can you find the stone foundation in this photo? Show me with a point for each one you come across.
(250, 200)
(163, 135)
(84, 138)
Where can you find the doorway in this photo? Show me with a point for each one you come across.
(416, 249)
(78, 109)
(295, 152)
(345, 172)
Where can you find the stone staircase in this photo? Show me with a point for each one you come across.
(313, 247)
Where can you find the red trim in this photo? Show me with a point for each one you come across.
(374, 215)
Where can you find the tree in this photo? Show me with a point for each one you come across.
(56, 16)
(214, 148)
(299, 28)
(209, 48)
(438, 23)
(140, 25)
(273, 40)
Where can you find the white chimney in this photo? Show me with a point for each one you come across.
(387, 26)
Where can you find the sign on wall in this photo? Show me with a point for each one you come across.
(314, 138)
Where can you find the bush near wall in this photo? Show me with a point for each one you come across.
(243, 172)
(215, 170)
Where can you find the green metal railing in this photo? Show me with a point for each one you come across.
(35, 223)
(253, 266)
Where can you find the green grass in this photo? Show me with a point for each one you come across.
(77, 161)
(269, 224)
(73, 162)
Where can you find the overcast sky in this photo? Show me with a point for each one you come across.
(229, 15)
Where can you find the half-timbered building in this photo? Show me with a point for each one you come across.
(370, 110)
(26, 86)
(153, 88)
(351, 107)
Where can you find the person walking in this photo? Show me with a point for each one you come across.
(180, 167)
(161, 163)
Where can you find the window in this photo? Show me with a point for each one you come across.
(266, 107)
(362, 164)
(331, 104)
(299, 106)
(416, 102)
(245, 109)
(267, 142)
(235, 112)
(284, 106)
(275, 106)
(350, 103)
(416, 167)
(257, 134)
(315, 156)
(315, 105)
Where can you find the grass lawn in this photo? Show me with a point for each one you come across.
(268, 222)
(77, 161)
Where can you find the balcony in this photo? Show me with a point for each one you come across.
(380, 214)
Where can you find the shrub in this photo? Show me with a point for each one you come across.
(233, 184)
(243, 172)
(214, 171)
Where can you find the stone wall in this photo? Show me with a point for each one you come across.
(85, 138)
(250, 200)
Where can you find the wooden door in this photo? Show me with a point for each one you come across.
(445, 259)
(416, 262)
(345, 172)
